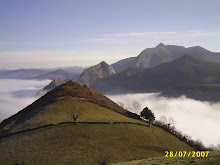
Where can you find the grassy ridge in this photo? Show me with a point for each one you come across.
(73, 144)
(57, 113)
(69, 89)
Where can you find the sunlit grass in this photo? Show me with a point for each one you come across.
(74, 144)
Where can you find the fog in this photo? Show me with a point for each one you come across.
(17, 94)
(200, 120)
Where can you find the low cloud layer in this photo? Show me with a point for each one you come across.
(17, 94)
(198, 119)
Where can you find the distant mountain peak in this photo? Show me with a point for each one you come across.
(103, 62)
(90, 75)
(160, 45)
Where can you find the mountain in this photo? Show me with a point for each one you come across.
(203, 92)
(88, 77)
(70, 69)
(44, 73)
(21, 73)
(55, 83)
(185, 69)
(56, 74)
(44, 132)
(92, 74)
(151, 57)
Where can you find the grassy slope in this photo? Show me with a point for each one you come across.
(57, 113)
(69, 89)
(213, 158)
(73, 144)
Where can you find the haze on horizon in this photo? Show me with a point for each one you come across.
(39, 34)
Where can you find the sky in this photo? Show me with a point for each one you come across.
(52, 33)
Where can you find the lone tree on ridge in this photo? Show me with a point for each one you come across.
(148, 115)
(71, 107)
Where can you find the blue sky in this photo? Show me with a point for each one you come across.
(50, 33)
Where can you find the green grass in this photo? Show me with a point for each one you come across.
(76, 144)
(66, 90)
(212, 159)
(81, 143)
(58, 112)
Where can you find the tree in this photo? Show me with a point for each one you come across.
(75, 114)
(72, 107)
(148, 115)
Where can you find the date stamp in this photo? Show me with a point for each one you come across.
(182, 154)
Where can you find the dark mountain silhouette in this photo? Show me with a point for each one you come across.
(183, 70)
(151, 57)
(203, 92)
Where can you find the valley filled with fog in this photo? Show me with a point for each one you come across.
(198, 119)
(17, 94)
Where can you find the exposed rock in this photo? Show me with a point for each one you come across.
(55, 83)
(92, 74)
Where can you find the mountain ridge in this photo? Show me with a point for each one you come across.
(151, 57)
(185, 69)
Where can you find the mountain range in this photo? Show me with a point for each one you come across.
(151, 57)
(56, 74)
(184, 70)
(44, 73)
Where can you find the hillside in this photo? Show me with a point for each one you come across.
(183, 70)
(81, 144)
(44, 132)
(151, 57)
(69, 90)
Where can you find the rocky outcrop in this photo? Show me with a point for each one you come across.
(55, 83)
(92, 74)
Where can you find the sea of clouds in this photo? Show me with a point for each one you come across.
(200, 120)
(16, 94)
